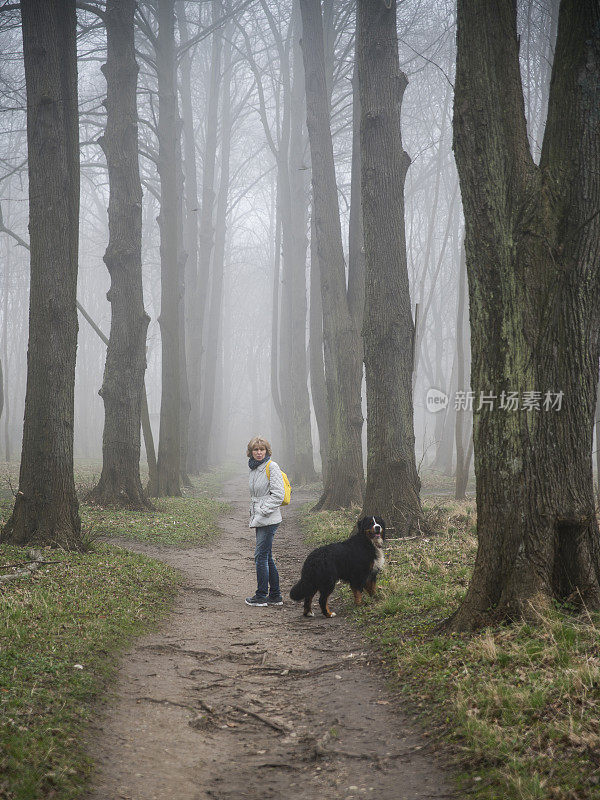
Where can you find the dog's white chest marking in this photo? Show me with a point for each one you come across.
(379, 560)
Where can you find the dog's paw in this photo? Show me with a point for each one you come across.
(309, 614)
(332, 614)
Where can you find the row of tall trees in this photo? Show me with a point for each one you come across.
(531, 258)
(338, 41)
(122, 388)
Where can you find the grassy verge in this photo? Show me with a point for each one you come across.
(519, 705)
(179, 521)
(59, 631)
(62, 627)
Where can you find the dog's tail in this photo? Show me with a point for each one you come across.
(298, 590)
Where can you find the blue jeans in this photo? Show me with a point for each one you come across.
(266, 571)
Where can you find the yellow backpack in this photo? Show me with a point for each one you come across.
(287, 496)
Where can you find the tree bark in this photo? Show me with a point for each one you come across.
(533, 259)
(393, 485)
(343, 368)
(168, 476)
(46, 507)
(123, 383)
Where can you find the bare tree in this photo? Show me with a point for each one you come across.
(302, 466)
(533, 261)
(393, 485)
(123, 383)
(343, 366)
(168, 462)
(46, 507)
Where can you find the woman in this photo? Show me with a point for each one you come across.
(266, 494)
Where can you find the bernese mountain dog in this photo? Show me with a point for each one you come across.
(357, 561)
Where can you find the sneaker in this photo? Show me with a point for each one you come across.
(275, 601)
(256, 600)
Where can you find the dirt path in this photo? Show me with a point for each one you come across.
(228, 701)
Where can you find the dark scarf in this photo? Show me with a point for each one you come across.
(253, 463)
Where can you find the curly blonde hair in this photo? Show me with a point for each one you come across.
(257, 441)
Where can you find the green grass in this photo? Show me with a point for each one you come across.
(518, 705)
(60, 629)
(180, 521)
(177, 521)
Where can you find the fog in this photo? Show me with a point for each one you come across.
(260, 38)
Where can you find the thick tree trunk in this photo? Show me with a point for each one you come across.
(218, 262)
(392, 482)
(123, 383)
(197, 460)
(46, 507)
(533, 262)
(343, 368)
(168, 131)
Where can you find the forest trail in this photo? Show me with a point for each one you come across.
(228, 701)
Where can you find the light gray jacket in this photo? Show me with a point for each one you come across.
(266, 496)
